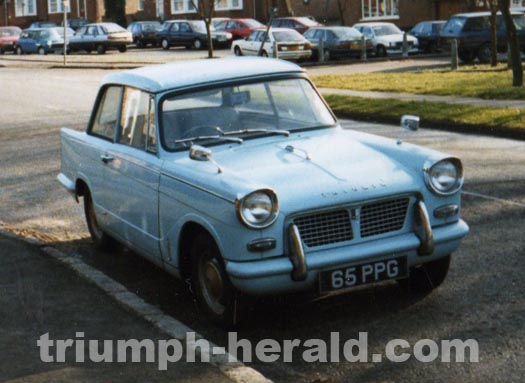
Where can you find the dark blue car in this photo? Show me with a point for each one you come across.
(42, 40)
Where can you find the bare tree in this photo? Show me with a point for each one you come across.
(341, 7)
(513, 41)
(206, 10)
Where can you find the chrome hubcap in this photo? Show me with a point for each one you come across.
(212, 285)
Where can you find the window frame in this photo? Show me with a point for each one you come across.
(24, 6)
(98, 103)
(229, 5)
(59, 4)
(393, 5)
(141, 5)
(186, 5)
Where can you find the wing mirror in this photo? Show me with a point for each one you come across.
(409, 123)
(200, 153)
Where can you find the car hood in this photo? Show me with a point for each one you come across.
(340, 168)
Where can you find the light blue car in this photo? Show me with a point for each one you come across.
(236, 174)
(42, 40)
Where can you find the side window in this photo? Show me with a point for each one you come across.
(107, 113)
(137, 121)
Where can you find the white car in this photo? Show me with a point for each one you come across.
(291, 45)
(387, 38)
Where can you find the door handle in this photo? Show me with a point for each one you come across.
(106, 158)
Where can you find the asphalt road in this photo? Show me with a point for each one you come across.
(481, 299)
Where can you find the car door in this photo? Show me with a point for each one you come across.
(186, 35)
(27, 41)
(132, 174)
(248, 46)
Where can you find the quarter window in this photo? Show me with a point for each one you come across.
(25, 8)
(380, 9)
(107, 113)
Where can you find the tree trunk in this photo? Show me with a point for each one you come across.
(341, 6)
(210, 41)
(512, 37)
(493, 35)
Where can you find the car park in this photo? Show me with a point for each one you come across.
(145, 32)
(427, 34)
(472, 33)
(101, 37)
(8, 38)
(42, 40)
(191, 34)
(238, 178)
(387, 38)
(239, 28)
(291, 45)
(300, 24)
(337, 42)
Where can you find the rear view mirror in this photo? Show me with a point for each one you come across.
(409, 123)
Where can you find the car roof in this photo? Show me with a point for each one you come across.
(481, 14)
(374, 23)
(158, 78)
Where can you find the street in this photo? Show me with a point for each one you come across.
(481, 299)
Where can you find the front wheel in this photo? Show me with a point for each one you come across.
(214, 293)
(380, 51)
(101, 49)
(428, 276)
(327, 55)
(19, 51)
(485, 54)
(197, 44)
(165, 44)
(122, 48)
(101, 240)
(41, 51)
(237, 51)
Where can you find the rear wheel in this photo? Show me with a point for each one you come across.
(19, 51)
(122, 48)
(485, 53)
(466, 56)
(197, 44)
(101, 49)
(264, 54)
(428, 276)
(101, 240)
(214, 293)
(237, 51)
(41, 51)
(380, 51)
(327, 55)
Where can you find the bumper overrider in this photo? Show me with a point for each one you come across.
(299, 271)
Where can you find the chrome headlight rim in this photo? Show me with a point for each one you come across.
(240, 205)
(459, 179)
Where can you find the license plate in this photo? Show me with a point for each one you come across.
(363, 274)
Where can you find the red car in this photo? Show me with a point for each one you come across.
(8, 38)
(300, 24)
(239, 28)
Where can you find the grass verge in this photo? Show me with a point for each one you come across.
(473, 81)
(501, 122)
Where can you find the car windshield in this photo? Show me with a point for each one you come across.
(200, 26)
(346, 33)
(386, 29)
(519, 21)
(242, 111)
(251, 23)
(289, 35)
(150, 26)
(112, 28)
(5, 32)
(454, 24)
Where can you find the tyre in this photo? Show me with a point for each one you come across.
(19, 51)
(428, 276)
(197, 44)
(140, 44)
(264, 54)
(2, 51)
(101, 240)
(327, 55)
(41, 51)
(101, 49)
(214, 293)
(485, 53)
(380, 51)
(165, 44)
(237, 51)
(122, 48)
(466, 56)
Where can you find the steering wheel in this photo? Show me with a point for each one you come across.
(194, 130)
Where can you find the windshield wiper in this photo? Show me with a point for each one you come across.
(204, 138)
(268, 131)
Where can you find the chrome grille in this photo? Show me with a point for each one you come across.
(325, 228)
(383, 217)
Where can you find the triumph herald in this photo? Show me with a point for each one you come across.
(236, 175)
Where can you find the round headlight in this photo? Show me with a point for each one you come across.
(258, 209)
(445, 176)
